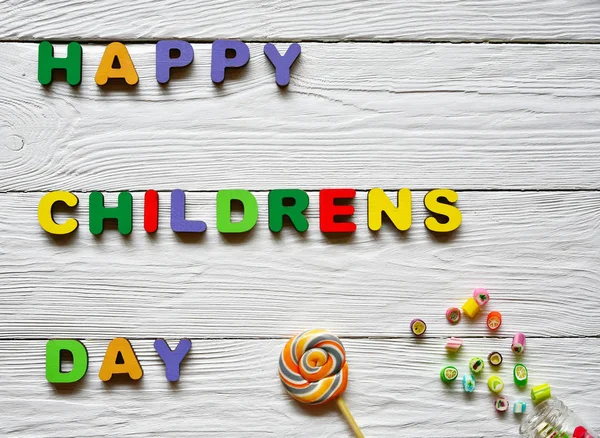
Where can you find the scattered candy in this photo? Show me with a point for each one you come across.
(468, 382)
(495, 384)
(502, 404)
(495, 358)
(518, 343)
(494, 320)
(540, 393)
(519, 407)
(453, 315)
(520, 374)
(476, 365)
(448, 374)
(418, 326)
(453, 344)
(481, 296)
(470, 308)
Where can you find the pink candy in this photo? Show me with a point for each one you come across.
(453, 344)
(453, 315)
(518, 343)
(481, 295)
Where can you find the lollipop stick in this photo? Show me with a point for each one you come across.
(349, 418)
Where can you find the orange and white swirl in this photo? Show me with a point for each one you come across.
(313, 367)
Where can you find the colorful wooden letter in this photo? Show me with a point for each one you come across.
(123, 213)
(378, 203)
(165, 62)
(172, 358)
(282, 64)
(45, 212)
(179, 223)
(224, 223)
(151, 211)
(47, 63)
(277, 209)
(437, 207)
(220, 60)
(125, 69)
(328, 210)
(54, 373)
(110, 365)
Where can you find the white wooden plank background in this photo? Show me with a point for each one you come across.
(460, 116)
(372, 284)
(231, 388)
(512, 127)
(390, 20)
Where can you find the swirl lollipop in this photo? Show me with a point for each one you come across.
(313, 370)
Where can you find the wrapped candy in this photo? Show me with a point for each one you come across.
(418, 327)
(519, 407)
(468, 382)
(495, 358)
(494, 320)
(470, 308)
(495, 384)
(453, 315)
(518, 343)
(453, 344)
(448, 374)
(540, 393)
(520, 375)
(501, 404)
(481, 296)
(476, 365)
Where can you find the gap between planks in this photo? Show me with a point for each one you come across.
(271, 338)
(309, 40)
(413, 189)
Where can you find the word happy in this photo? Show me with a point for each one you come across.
(282, 204)
(116, 64)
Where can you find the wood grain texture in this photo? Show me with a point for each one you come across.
(364, 115)
(231, 388)
(473, 117)
(427, 20)
(537, 253)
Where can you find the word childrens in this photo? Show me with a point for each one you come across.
(117, 64)
(282, 203)
(118, 359)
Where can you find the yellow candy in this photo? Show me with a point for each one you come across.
(540, 393)
(470, 308)
(495, 384)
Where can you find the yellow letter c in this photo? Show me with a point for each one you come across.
(45, 212)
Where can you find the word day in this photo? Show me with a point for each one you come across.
(120, 358)
(116, 63)
(282, 203)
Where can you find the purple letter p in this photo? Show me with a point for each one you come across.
(220, 61)
(164, 62)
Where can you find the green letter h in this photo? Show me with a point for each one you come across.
(47, 63)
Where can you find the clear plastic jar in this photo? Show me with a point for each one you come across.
(552, 419)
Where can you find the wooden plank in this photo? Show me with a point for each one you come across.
(426, 20)
(231, 388)
(419, 116)
(537, 253)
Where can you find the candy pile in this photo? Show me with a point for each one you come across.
(449, 374)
